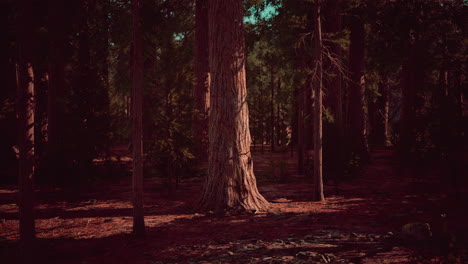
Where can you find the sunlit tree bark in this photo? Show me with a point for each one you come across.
(231, 183)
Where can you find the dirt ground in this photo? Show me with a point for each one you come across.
(360, 221)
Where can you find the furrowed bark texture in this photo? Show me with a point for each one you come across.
(231, 183)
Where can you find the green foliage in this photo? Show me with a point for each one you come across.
(168, 85)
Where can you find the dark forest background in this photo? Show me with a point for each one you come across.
(414, 63)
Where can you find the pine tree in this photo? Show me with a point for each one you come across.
(318, 180)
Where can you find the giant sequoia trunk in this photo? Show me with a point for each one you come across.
(25, 108)
(357, 125)
(318, 181)
(137, 123)
(201, 90)
(231, 183)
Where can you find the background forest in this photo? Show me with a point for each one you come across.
(414, 63)
(392, 74)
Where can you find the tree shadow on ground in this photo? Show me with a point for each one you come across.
(352, 225)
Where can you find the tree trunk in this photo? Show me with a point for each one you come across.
(357, 124)
(262, 138)
(294, 122)
(308, 115)
(279, 136)
(385, 103)
(137, 123)
(378, 116)
(318, 181)
(300, 130)
(231, 183)
(25, 108)
(272, 110)
(201, 90)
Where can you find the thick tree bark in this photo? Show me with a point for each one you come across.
(318, 181)
(137, 123)
(231, 183)
(25, 108)
(357, 124)
(201, 89)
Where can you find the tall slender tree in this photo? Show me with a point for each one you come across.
(272, 109)
(137, 122)
(25, 108)
(318, 181)
(300, 129)
(201, 89)
(357, 124)
(231, 183)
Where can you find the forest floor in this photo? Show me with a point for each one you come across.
(360, 221)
